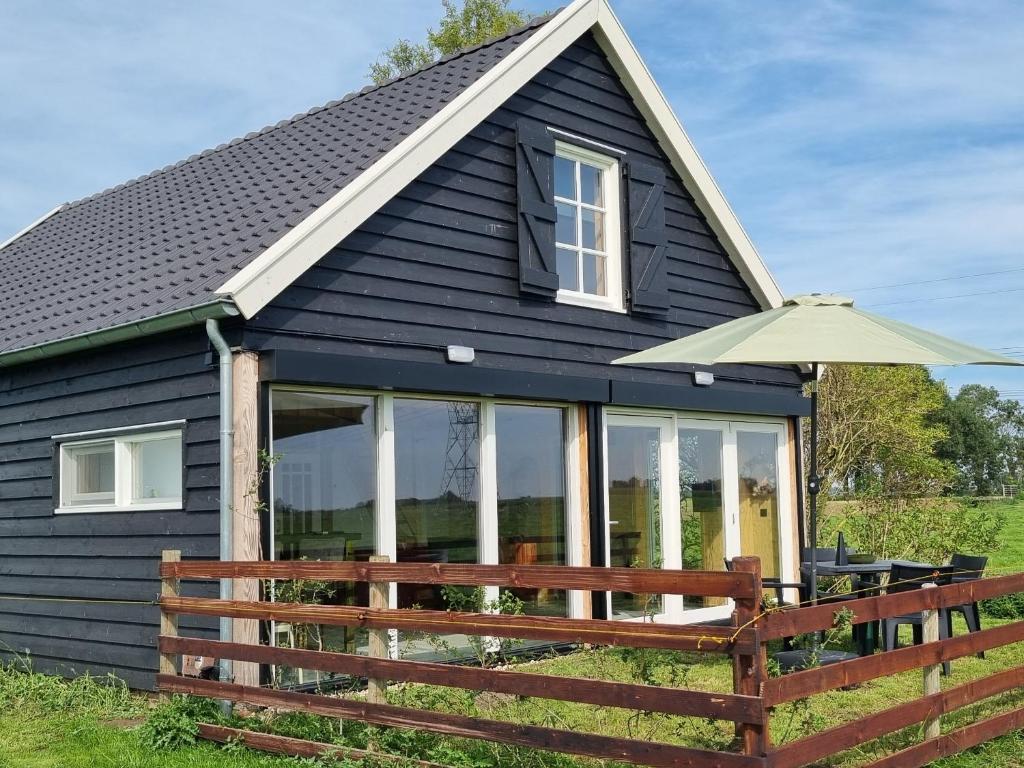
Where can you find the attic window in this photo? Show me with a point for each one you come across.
(141, 470)
(588, 251)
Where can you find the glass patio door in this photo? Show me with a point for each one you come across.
(639, 453)
(707, 528)
(759, 458)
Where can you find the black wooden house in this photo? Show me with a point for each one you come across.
(411, 298)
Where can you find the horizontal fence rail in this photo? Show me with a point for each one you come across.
(636, 580)
(813, 618)
(539, 737)
(598, 631)
(749, 706)
(650, 698)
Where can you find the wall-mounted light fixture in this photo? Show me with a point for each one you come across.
(703, 378)
(459, 354)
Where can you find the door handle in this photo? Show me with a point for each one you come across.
(613, 522)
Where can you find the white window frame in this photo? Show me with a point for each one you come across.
(729, 425)
(487, 509)
(613, 300)
(123, 442)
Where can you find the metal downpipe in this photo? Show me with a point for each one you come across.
(227, 460)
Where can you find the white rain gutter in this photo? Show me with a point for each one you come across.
(227, 459)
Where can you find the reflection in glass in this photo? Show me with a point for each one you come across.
(156, 472)
(757, 457)
(593, 229)
(590, 185)
(91, 473)
(531, 496)
(701, 506)
(568, 269)
(634, 509)
(565, 178)
(593, 274)
(437, 455)
(324, 502)
(565, 226)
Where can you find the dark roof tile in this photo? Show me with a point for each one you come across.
(166, 240)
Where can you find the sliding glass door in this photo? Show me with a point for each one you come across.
(691, 493)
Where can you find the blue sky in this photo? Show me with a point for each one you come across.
(861, 143)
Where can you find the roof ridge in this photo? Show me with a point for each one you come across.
(531, 23)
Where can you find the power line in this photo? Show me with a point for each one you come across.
(933, 280)
(941, 298)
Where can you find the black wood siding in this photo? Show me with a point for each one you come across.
(438, 264)
(106, 556)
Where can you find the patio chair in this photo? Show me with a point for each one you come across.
(966, 568)
(780, 587)
(907, 578)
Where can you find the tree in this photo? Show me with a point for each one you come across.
(460, 27)
(984, 442)
(878, 431)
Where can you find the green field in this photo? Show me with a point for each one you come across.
(47, 723)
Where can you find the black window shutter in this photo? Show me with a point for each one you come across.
(648, 240)
(535, 169)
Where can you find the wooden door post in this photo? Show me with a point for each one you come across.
(930, 634)
(749, 672)
(169, 587)
(376, 689)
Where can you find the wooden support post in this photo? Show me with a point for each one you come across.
(587, 605)
(245, 514)
(930, 634)
(376, 689)
(749, 672)
(169, 587)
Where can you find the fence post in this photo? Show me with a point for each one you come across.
(376, 690)
(748, 672)
(169, 587)
(930, 634)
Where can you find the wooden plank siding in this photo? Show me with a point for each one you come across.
(438, 264)
(109, 556)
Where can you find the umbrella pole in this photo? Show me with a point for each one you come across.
(814, 486)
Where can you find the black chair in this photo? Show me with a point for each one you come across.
(907, 578)
(966, 568)
(780, 587)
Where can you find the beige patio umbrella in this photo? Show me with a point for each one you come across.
(816, 330)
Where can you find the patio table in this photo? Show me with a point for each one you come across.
(870, 573)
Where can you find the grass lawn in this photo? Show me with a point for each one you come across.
(48, 723)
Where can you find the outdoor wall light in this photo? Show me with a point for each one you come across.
(703, 378)
(459, 354)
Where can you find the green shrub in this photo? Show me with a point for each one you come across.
(174, 724)
(927, 529)
(1004, 606)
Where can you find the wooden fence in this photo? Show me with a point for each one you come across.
(749, 706)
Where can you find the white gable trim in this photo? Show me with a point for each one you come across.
(253, 287)
(681, 153)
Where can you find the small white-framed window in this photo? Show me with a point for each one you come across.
(588, 251)
(139, 470)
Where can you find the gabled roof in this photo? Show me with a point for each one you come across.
(234, 226)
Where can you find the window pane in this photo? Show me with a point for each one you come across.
(437, 455)
(701, 510)
(90, 474)
(565, 227)
(590, 185)
(568, 277)
(759, 498)
(531, 496)
(593, 229)
(324, 506)
(156, 470)
(634, 510)
(565, 178)
(594, 274)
